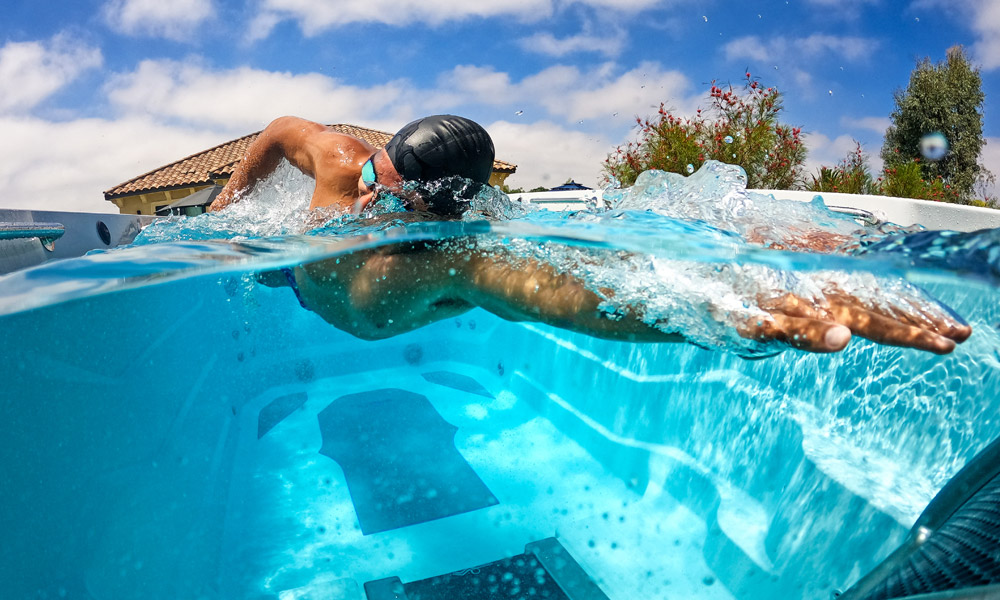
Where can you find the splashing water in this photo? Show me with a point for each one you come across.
(278, 205)
(684, 254)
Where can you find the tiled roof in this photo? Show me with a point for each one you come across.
(219, 162)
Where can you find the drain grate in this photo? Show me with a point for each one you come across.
(545, 570)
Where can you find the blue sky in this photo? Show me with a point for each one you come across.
(95, 92)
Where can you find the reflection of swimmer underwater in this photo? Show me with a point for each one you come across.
(384, 292)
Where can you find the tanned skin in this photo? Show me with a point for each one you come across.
(380, 293)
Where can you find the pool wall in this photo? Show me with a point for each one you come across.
(123, 412)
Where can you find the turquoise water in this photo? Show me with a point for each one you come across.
(165, 411)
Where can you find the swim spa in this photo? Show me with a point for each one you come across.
(205, 437)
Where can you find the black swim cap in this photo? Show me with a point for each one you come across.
(442, 146)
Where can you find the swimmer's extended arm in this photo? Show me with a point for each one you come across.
(520, 290)
(378, 294)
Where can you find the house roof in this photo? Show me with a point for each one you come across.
(219, 162)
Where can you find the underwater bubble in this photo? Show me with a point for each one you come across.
(934, 146)
(830, 92)
(689, 168)
(705, 17)
(728, 139)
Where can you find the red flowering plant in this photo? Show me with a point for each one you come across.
(739, 127)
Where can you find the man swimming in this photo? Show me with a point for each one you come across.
(393, 289)
(349, 172)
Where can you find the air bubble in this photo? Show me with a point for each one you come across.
(728, 139)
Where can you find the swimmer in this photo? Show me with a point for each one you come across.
(380, 293)
(350, 172)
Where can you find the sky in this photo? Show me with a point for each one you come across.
(95, 92)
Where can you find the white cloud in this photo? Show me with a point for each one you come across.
(876, 124)
(827, 152)
(981, 16)
(33, 71)
(66, 166)
(547, 154)
(172, 19)
(784, 49)
(547, 44)
(575, 95)
(990, 159)
(171, 109)
(841, 9)
(246, 99)
(315, 16)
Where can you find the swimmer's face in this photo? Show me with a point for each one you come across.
(377, 172)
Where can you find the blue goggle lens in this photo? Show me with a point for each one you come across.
(368, 173)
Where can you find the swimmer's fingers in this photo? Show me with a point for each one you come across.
(928, 327)
(889, 330)
(929, 317)
(810, 334)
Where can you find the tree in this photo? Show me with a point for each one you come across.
(945, 98)
(738, 128)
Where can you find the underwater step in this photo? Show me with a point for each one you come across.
(399, 459)
(545, 570)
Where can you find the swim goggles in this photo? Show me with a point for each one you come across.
(369, 179)
(368, 173)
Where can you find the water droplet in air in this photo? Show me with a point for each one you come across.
(830, 92)
(690, 168)
(519, 113)
(934, 146)
(728, 139)
(614, 114)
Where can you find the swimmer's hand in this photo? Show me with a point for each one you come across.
(827, 326)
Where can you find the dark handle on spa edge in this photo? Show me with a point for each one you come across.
(47, 233)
